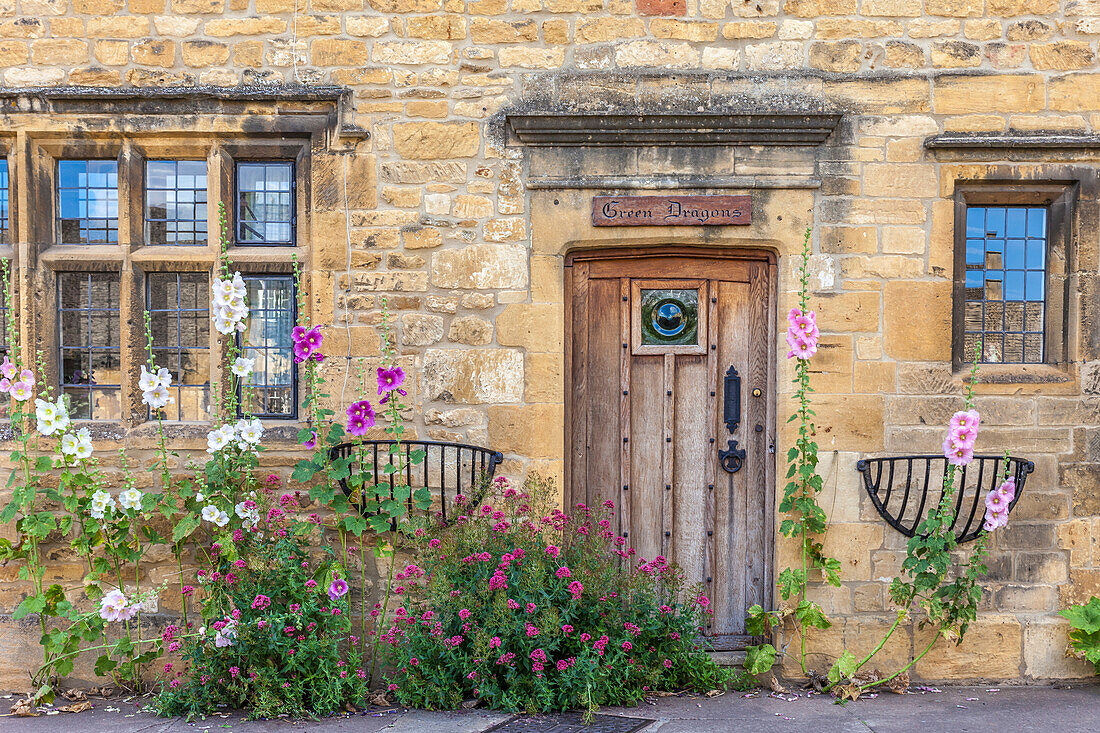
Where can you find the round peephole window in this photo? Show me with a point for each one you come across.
(669, 318)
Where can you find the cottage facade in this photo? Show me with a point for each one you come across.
(448, 156)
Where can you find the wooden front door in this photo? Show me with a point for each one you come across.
(664, 347)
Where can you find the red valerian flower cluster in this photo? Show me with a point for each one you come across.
(541, 611)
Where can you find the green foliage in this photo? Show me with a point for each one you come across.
(805, 519)
(759, 659)
(527, 613)
(1084, 639)
(273, 641)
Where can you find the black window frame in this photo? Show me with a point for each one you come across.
(147, 221)
(58, 188)
(65, 387)
(177, 384)
(1060, 201)
(5, 201)
(293, 365)
(292, 164)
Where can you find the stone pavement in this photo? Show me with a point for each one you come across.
(1062, 709)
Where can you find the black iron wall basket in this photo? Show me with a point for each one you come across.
(905, 488)
(447, 468)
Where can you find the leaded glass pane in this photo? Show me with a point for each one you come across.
(1005, 282)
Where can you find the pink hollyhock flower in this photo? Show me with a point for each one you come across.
(957, 455)
(803, 324)
(994, 520)
(7, 369)
(996, 502)
(1008, 489)
(964, 436)
(337, 589)
(965, 418)
(801, 348)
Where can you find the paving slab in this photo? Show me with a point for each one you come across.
(975, 709)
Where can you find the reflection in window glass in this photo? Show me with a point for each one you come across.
(175, 202)
(265, 204)
(272, 390)
(670, 317)
(87, 201)
(1005, 283)
(5, 216)
(88, 331)
(179, 314)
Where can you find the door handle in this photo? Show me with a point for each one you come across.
(732, 458)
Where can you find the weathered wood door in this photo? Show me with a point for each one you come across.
(656, 340)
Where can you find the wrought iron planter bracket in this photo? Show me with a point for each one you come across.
(904, 488)
(732, 458)
(447, 468)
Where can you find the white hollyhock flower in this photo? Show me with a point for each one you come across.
(69, 444)
(224, 325)
(84, 444)
(44, 410)
(242, 367)
(130, 499)
(222, 519)
(147, 381)
(219, 438)
(210, 513)
(52, 417)
(158, 397)
(199, 496)
(101, 502)
(250, 515)
(250, 432)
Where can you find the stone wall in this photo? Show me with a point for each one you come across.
(431, 209)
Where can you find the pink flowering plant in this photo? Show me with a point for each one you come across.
(938, 585)
(276, 635)
(805, 520)
(526, 610)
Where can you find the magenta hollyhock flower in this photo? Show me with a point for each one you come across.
(298, 333)
(390, 379)
(337, 589)
(313, 337)
(360, 418)
(311, 442)
(302, 351)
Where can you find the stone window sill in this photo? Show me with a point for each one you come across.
(1007, 379)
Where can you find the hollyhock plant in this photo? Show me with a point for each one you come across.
(505, 617)
(802, 334)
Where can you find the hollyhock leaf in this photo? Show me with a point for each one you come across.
(1086, 617)
(844, 667)
(759, 659)
(355, 524)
